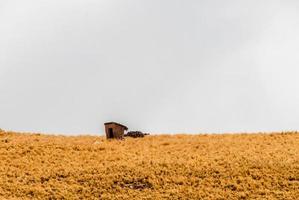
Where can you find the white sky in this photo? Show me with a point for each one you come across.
(162, 66)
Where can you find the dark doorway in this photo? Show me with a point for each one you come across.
(110, 133)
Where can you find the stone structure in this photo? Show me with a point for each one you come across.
(115, 130)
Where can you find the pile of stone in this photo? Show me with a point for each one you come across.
(135, 134)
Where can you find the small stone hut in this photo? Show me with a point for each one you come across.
(115, 130)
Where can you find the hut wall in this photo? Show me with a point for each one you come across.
(118, 131)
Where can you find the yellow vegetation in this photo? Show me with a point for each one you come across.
(241, 166)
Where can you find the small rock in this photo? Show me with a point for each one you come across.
(97, 142)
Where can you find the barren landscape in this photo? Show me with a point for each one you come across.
(226, 166)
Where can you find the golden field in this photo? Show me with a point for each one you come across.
(228, 166)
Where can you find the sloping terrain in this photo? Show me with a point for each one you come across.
(240, 166)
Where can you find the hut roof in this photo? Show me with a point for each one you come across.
(107, 123)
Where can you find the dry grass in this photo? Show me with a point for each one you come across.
(256, 166)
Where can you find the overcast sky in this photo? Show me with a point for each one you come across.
(161, 66)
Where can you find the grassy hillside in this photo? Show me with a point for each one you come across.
(262, 166)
